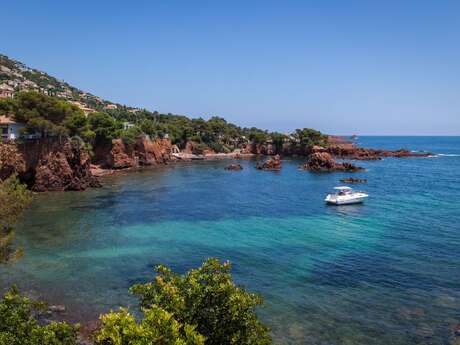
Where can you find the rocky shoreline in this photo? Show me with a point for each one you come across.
(63, 164)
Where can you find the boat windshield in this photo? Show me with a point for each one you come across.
(343, 190)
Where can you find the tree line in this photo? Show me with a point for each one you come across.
(51, 116)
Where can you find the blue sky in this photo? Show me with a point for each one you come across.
(366, 67)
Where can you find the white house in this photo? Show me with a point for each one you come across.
(10, 129)
(127, 125)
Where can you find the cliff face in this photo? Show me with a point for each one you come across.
(143, 152)
(49, 164)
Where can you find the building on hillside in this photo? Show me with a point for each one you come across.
(127, 125)
(10, 129)
(111, 106)
(83, 107)
(6, 91)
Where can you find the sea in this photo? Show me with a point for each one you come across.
(385, 272)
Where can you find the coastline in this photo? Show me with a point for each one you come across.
(98, 171)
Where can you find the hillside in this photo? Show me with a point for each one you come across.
(120, 121)
(15, 76)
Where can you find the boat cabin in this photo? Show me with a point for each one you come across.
(342, 190)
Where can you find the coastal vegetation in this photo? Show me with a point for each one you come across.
(14, 198)
(19, 324)
(207, 298)
(201, 307)
(53, 116)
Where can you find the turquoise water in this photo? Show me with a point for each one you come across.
(386, 272)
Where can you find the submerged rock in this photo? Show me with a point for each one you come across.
(234, 167)
(273, 163)
(57, 308)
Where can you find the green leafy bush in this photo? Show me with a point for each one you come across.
(14, 198)
(157, 327)
(207, 298)
(19, 326)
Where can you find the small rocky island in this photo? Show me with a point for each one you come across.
(234, 167)
(273, 164)
(323, 162)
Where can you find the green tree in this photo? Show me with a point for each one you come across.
(158, 327)
(40, 113)
(278, 140)
(18, 325)
(77, 124)
(257, 136)
(104, 126)
(308, 137)
(14, 198)
(208, 298)
(129, 135)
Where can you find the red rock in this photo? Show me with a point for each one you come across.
(143, 152)
(273, 163)
(64, 167)
(121, 155)
(350, 151)
(353, 180)
(50, 164)
(323, 162)
(11, 161)
(234, 167)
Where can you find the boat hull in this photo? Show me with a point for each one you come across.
(345, 202)
(358, 198)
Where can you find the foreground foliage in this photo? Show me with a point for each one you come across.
(19, 326)
(207, 298)
(202, 307)
(14, 198)
(157, 327)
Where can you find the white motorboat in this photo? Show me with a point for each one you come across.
(345, 196)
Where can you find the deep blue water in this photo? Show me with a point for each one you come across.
(385, 272)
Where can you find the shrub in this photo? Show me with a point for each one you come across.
(207, 297)
(14, 198)
(157, 327)
(18, 325)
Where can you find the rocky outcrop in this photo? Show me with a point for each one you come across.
(353, 180)
(273, 163)
(336, 146)
(234, 167)
(323, 162)
(121, 156)
(11, 161)
(143, 152)
(51, 164)
(350, 151)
